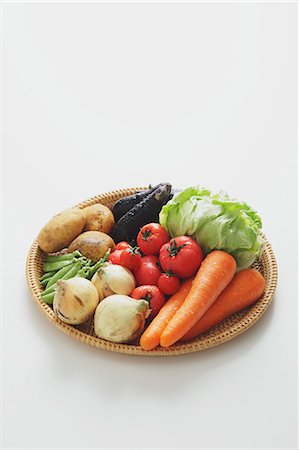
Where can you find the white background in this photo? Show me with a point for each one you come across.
(100, 96)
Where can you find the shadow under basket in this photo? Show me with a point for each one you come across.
(226, 330)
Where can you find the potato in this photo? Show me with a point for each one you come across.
(98, 218)
(61, 230)
(92, 244)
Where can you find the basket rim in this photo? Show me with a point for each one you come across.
(209, 339)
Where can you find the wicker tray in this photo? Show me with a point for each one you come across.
(229, 328)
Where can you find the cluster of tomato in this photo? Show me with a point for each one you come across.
(158, 263)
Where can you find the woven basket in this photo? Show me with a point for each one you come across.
(226, 330)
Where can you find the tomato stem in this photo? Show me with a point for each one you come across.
(174, 249)
(146, 234)
(158, 264)
(170, 273)
(148, 296)
(133, 250)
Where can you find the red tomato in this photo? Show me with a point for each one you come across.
(148, 272)
(130, 258)
(168, 283)
(121, 245)
(151, 237)
(182, 255)
(114, 257)
(151, 259)
(153, 295)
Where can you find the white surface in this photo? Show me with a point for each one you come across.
(101, 96)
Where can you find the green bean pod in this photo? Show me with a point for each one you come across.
(48, 290)
(98, 264)
(74, 270)
(49, 298)
(65, 257)
(64, 275)
(58, 275)
(55, 266)
(47, 275)
(45, 282)
(83, 272)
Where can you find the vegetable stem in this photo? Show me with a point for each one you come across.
(99, 264)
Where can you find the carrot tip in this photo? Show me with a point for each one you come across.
(164, 342)
(148, 347)
(147, 344)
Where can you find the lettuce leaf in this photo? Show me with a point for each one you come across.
(215, 221)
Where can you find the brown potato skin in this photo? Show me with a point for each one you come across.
(61, 230)
(92, 244)
(98, 218)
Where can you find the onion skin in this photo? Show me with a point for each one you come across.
(120, 319)
(113, 279)
(75, 300)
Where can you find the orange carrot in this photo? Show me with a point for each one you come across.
(215, 273)
(151, 336)
(246, 287)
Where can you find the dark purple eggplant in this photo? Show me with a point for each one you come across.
(146, 211)
(122, 206)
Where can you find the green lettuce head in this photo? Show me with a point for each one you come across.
(215, 221)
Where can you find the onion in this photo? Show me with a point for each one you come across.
(75, 300)
(113, 279)
(119, 318)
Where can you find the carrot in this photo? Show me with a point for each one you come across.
(214, 274)
(151, 336)
(246, 287)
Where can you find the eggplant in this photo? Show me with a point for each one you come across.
(146, 211)
(122, 206)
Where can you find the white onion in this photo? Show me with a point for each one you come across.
(75, 300)
(119, 318)
(113, 279)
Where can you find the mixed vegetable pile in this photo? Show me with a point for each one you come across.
(158, 267)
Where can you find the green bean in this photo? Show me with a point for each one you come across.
(74, 270)
(94, 269)
(65, 257)
(58, 275)
(45, 281)
(99, 264)
(49, 267)
(47, 275)
(49, 298)
(84, 272)
(64, 275)
(48, 290)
